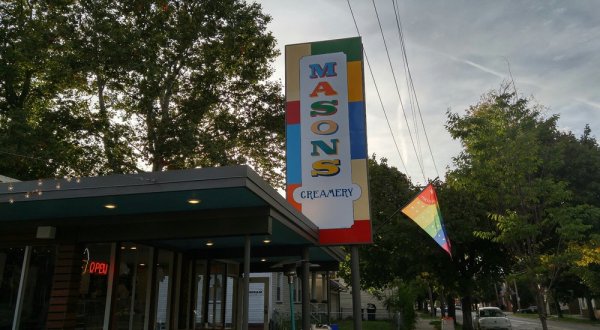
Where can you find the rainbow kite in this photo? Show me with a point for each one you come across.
(425, 211)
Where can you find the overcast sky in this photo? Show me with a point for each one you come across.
(457, 50)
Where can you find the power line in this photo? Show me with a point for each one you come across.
(378, 94)
(411, 96)
(419, 161)
(409, 75)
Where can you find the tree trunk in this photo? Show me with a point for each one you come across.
(590, 308)
(107, 137)
(451, 307)
(419, 304)
(466, 312)
(431, 302)
(442, 303)
(557, 304)
(541, 306)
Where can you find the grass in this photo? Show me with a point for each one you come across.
(437, 325)
(366, 325)
(569, 318)
(566, 318)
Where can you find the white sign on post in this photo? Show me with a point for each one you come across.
(327, 191)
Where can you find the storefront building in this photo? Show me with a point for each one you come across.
(161, 250)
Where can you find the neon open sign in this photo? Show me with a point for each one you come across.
(98, 268)
(93, 267)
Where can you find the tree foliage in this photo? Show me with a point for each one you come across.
(104, 87)
(402, 252)
(44, 124)
(517, 161)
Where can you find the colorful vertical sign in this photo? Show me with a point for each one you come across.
(326, 136)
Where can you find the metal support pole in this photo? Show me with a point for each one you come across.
(21, 290)
(305, 290)
(291, 286)
(356, 288)
(113, 276)
(246, 310)
(313, 285)
(151, 290)
(328, 296)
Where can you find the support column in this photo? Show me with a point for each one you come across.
(246, 308)
(313, 291)
(151, 286)
(328, 296)
(62, 309)
(21, 291)
(356, 303)
(111, 290)
(313, 285)
(305, 290)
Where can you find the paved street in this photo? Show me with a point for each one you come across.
(525, 323)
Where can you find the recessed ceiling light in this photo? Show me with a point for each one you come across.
(133, 248)
(122, 248)
(267, 240)
(263, 259)
(142, 265)
(209, 243)
(110, 206)
(194, 201)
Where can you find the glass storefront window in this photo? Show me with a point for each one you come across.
(132, 286)
(94, 285)
(229, 303)
(11, 263)
(163, 286)
(217, 303)
(38, 286)
(231, 293)
(215, 294)
(200, 272)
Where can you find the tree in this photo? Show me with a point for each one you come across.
(476, 263)
(511, 156)
(198, 93)
(103, 40)
(44, 124)
(120, 85)
(582, 171)
(402, 252)
(383, 260)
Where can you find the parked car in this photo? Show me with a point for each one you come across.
(528, 310)
(491, 318)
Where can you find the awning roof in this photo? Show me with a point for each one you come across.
(154, 208)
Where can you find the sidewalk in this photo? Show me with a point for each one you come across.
(423, 324)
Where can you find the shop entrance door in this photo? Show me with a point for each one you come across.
(258, 316)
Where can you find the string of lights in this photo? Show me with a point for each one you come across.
(42, 185)
(38, 191)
